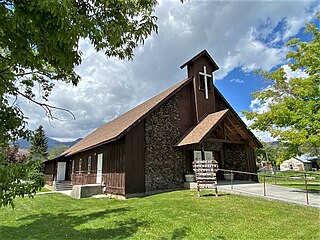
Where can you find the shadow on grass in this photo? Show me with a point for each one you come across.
(214, 195)
(67, 225)
(177, 234)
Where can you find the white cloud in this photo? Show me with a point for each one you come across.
(294, 74)
(294, 24)
(237, 35)
(264, 136)
(236, 80)
(258, 107)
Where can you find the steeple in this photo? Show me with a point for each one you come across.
(201, 68)
(196, 63)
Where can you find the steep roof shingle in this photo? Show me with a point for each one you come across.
(115, 128)
(198, 132)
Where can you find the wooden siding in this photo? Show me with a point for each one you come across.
(219, 102)
(115, 159)
(134, 167)
(49, 170)
(187, 110)
(84, 178)
(204, 106)
(112, 167)
(251, 162)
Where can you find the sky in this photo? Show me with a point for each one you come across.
(241, 36)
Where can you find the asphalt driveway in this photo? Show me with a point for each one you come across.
(272, 192)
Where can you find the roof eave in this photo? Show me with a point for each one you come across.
(252, 136)
(216, 67)
(205, 136)
(187, 81)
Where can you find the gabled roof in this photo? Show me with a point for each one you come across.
(200, 131)
(204, 52)
(295, 159)
(257, 143)
(120, 125)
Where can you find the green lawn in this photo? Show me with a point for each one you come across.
(44, 189)
(283, 179)
(174, 215)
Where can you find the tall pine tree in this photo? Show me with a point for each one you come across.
(39, 144)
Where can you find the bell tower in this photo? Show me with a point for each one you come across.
(201, 68)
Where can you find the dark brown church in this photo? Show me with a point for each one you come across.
(152, 146)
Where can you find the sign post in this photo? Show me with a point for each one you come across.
(206, 174)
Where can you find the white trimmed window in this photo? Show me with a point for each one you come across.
(72, 166)
(89, 164)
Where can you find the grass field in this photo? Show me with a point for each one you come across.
(43, 189)
(174, 215)
(283, 179)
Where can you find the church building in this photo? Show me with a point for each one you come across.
(152, 146)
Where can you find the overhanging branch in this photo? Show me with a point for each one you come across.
(47, 108)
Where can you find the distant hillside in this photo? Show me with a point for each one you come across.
(273, 143)
(23, 144)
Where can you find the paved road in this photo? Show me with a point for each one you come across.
(273, 192)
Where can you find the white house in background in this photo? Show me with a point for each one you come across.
(296, 164)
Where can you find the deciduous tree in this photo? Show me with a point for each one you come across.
(57, 151)
(18, 179)
(293, 103)
(39, 42)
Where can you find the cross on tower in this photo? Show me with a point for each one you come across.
(206, 75)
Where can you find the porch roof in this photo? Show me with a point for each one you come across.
(205, 127)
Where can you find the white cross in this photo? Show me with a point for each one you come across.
(205, 74)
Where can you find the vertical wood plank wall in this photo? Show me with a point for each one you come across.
(205, 106)
(112, 167)
(187, 111)
(251, 162)
(134, 164)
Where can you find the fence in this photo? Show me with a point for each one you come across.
(304, 177)
(85, 178)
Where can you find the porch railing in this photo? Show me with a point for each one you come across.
(48, 179)
(86, 178)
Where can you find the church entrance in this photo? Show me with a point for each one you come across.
(192, 155)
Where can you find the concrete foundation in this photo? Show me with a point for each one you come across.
(83, 191)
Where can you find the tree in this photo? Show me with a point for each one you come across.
(18, 175)
(39, 46)
(269, 152)
(13, 155)
(292, 103)
(39, 144)
(18, 179)
(57, 151)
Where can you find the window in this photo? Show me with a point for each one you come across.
(72, 166)
(201, 85)
(89, 164)
(80, 163)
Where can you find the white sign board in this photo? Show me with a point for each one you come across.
(208, 155)
(197, 155)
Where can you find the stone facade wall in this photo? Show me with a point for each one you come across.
(235, 159)
(164, 164)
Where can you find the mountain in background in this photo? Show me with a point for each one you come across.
(24, 144)
(273, 143)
